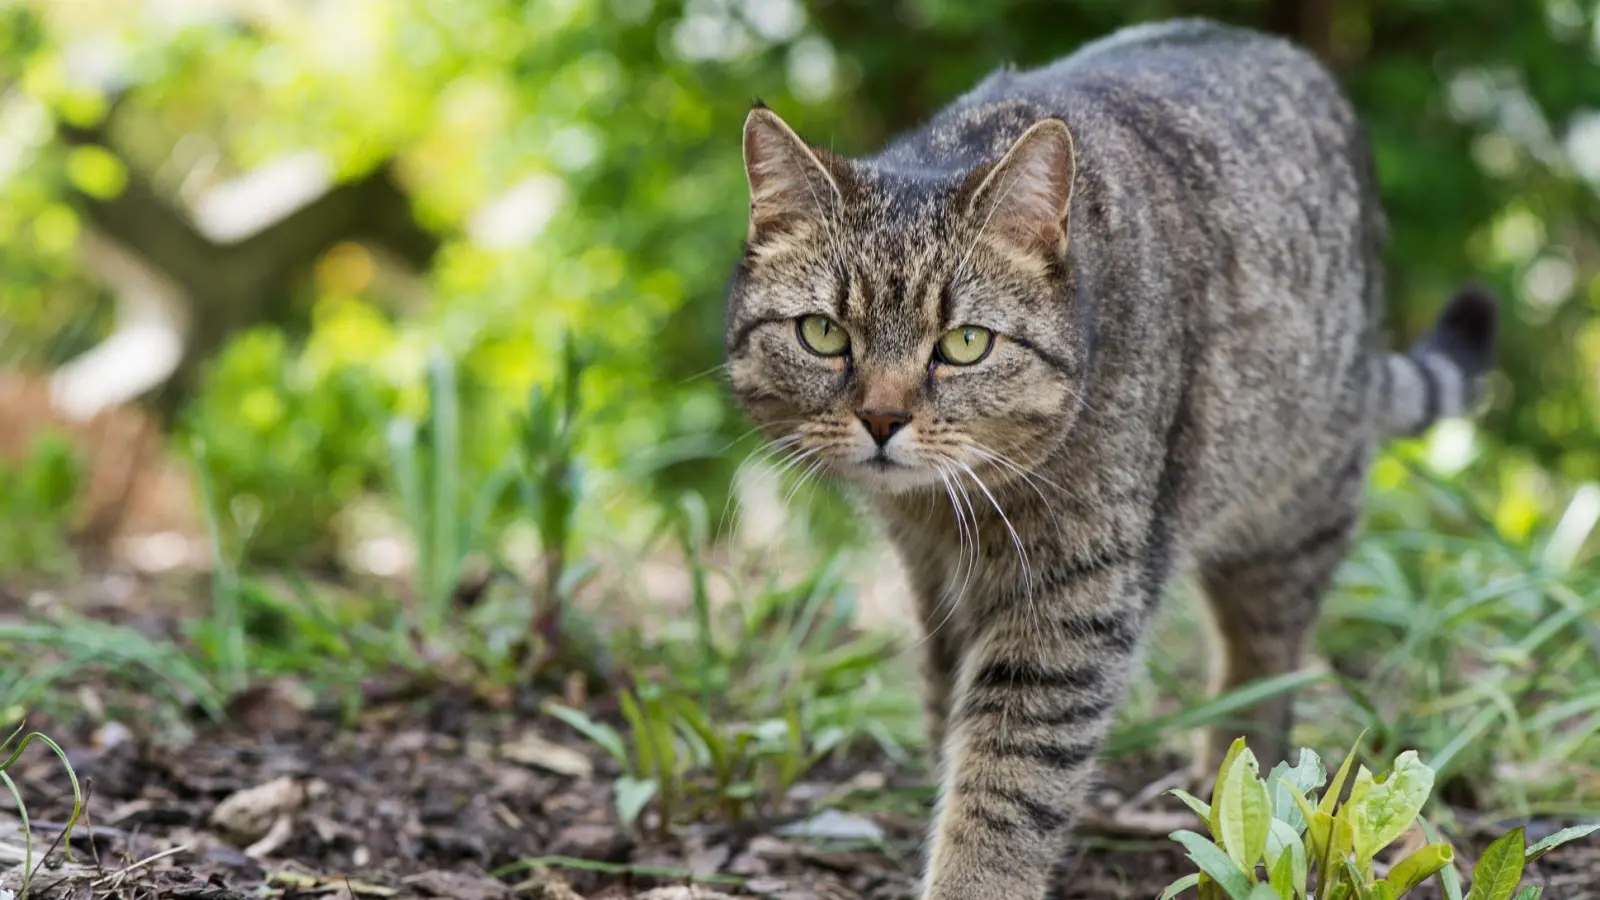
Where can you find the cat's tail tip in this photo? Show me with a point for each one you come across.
(1442, 375)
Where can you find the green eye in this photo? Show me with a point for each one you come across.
(965, 345)
(822, 335)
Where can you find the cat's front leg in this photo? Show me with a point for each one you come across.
(1038, 687)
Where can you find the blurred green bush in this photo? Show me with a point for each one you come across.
(578, 163)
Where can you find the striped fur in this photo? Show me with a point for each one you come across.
(1175, 240)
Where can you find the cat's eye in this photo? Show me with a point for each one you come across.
(821, 335)
(965, 345)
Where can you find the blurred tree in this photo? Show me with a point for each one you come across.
(573, 165)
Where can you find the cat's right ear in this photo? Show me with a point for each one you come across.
(790, 182)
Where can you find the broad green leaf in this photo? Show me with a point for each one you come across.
(1243, 809)
(1531, 892)
(1414, 869)
(1213, 862)
(1379, 890)
(632, 794)
(1281, 876)
(1282, 840)
(1317, 838)
(1499, 869)
(1217, 789)
(1179, 886)
(1383, 808)
(1307, 776)
(1200, 807)
(1263, 892)
(1561, 837)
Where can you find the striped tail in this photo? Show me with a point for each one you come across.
(1441, 375)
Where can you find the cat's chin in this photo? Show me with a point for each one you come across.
(880, 476)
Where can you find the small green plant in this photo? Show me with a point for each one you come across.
(1273, 839)
(16, 743)
(38, 501)
(676, 756)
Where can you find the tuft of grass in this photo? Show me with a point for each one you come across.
(1478, 649)
(736, 702)
(17, 742)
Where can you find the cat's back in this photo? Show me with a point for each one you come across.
(1192, 85)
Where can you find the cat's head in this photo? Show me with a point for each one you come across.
(902, 328)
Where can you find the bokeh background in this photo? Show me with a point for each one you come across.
(260, 216)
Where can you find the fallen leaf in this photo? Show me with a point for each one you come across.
(832, 824)
(532, 750)
(247, 816)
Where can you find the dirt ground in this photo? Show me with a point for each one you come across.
(436, 794)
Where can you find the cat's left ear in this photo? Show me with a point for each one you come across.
(1025, 196)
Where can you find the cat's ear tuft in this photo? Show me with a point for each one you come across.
(1026, 195)
(789, 180)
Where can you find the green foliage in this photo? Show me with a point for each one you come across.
(38, 502)
(747, 701)
(452, 512)
(677, 757)
(1280, 841)
(15, 744)
(288, 444)
(1470, 639)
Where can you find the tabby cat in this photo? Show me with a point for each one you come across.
(1092, 325)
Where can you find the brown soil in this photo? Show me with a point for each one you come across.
(442, 795)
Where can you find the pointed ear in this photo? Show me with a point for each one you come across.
(789, 180)
(1026, 194)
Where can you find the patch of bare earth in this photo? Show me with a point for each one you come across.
(436, 793)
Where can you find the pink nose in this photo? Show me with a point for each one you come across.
(883, 423)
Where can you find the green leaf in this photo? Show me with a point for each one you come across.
(1309, 775)
(1179, 886)
(1414, 869)
(1244, 810)
(603, 735)
(1315, 834)
(1281, 840)
(1563, 836)
(632, 794)
(1331, 798)
(1213, 862)
(1449, 878)
(1383, 808)
(1379, 890)
(1499, 869)
(1531, 892)
(1263, 892)
(1218, 789)
(1200, 807)
(1281, 876)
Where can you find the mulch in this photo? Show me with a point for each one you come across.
(446, 795)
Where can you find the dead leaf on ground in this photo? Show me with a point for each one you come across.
(529, 749)
(249, 815)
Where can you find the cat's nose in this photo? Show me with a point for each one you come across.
(883, 423)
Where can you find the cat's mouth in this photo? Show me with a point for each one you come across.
(880, 472)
